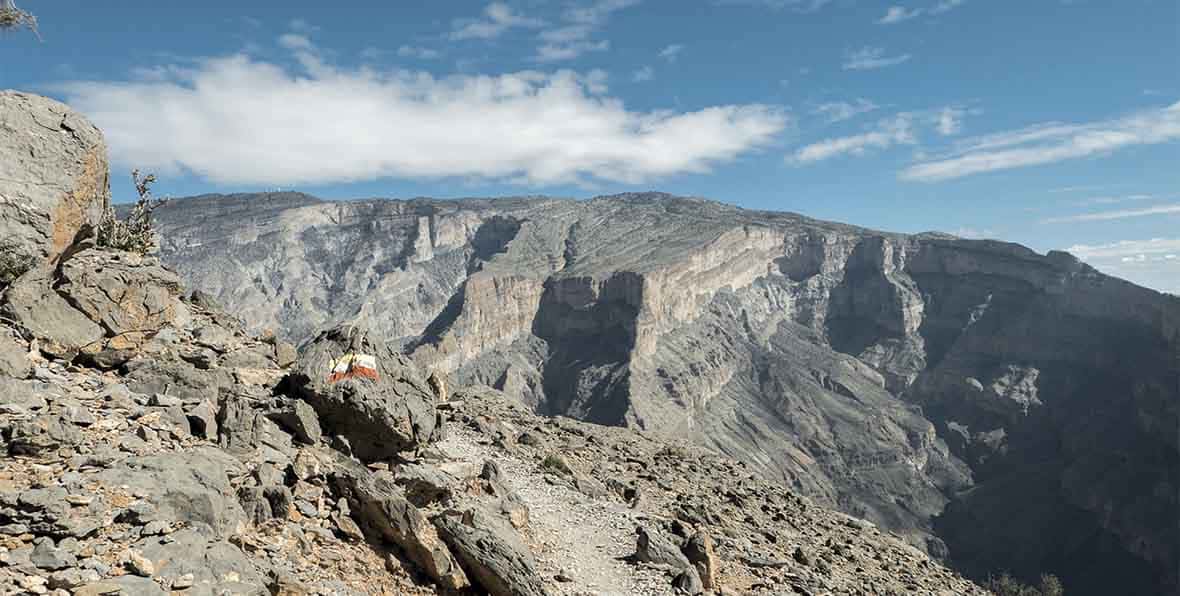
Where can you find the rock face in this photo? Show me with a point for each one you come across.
(53, 176)
(967, 394)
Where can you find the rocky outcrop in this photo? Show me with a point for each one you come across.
(53, 178)
(907, 379)
(364, 391)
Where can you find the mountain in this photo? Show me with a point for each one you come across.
(1001, 408)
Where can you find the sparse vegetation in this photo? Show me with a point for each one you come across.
(135, 232)
(556, 464)
(1006, 585)
(13, 18)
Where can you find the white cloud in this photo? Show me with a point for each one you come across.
(241, 120)
(573, 38)
(1155, 246)
(671, 52)
(798, 5)
(897, 14)
(568, 51)
(973, 233)
(837, 111)
(497, 18)
(643, 74)
(950, 121)
(946, 5)
(1049, 143)
(894, 131)
(418, 52)
(1120, 214)
(868, 58)
(1154, 263)
(1111, 200)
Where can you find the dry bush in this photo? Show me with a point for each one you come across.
(135, 232)
(13, 18)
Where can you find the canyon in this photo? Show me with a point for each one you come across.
(995, 407)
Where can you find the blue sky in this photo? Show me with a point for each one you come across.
(1051, 123)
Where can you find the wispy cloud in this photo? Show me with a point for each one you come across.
(1128, 248)
(1154, 263)
(868, 58)
(671, 52)
(1119, 214)
(949, 121)
(241, 120)
(889, 132)
(837, 111)
(946, 5)
(418, 52)
(797, 5)
(497, 19)
(898, 14)
(1050, 143)
(1115, 199)
(643, 74)
(573, 37)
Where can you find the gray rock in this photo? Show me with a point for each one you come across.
(20, 396)
(33, 304)
(47, 556)
(176, 378)
(301, 419)
(699, 551)
(53, 176)
(491, 552)
(380, 417)
(191, 486)
(132, 297)
(688, 582)
(202, 420)
(381, 509)
(653, 547)
(14, 356)
(425, 484)
(42, 434)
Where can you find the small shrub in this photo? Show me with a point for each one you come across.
(1006, 585)
(12, 18)
(135, 233)
(556, 464)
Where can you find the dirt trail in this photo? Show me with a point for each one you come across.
(587, 536)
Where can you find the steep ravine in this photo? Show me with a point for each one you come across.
(1006, 409)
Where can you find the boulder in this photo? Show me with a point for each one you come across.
(491, 552)
(655, 548)
(699, 551)
(299, 418)
(14, 355)
(190, 486)
(32, 303)
(122, 291)
(381, 411)
(41, 435)
(382, 510)
(53, 176)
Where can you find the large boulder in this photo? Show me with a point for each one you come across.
(379, 401)
(190, 486)
(492, 553)
(53, 177)
(381, 508)
(123, 292)
(33, 304)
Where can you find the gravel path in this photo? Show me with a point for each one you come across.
(589, 536)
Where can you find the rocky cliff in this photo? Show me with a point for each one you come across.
(150, 445)
(1007, 409)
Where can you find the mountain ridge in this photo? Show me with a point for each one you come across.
(879, 372)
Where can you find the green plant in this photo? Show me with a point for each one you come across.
(1006, 585)
(12, 18)
(134, 233)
